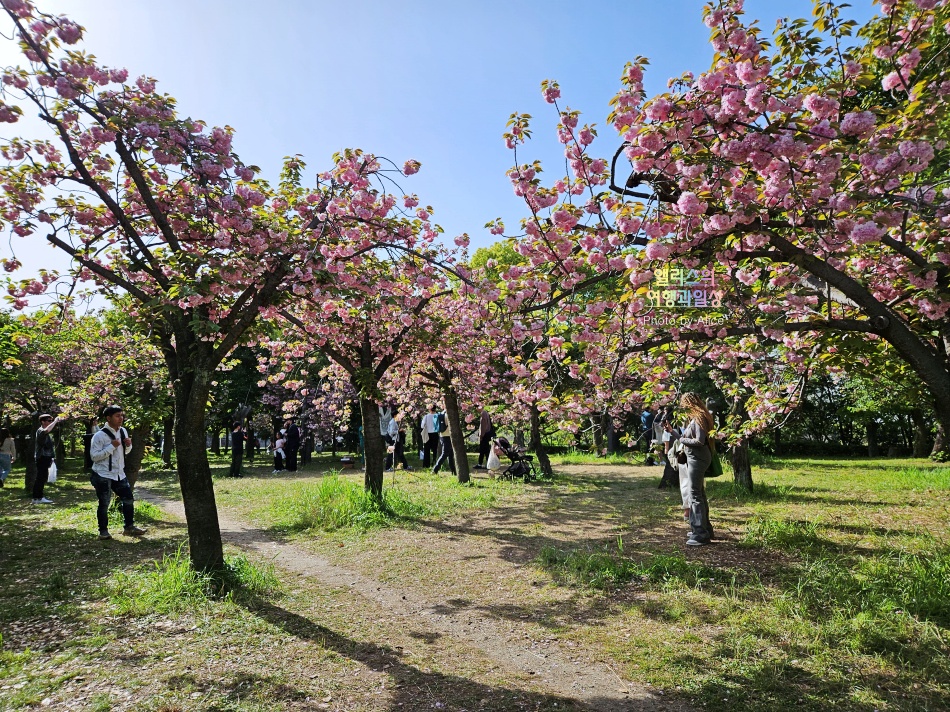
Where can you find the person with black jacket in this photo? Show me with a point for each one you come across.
(44, 451)
(291, 444)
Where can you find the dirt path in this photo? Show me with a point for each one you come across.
(573, 673)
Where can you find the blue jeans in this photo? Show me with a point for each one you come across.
(104, 489)
(5, 462)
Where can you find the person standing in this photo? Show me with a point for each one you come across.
(7, 455)
(398, 437)
(43, 451)
(291, 444)
(278, 451)
(647, 419)
(486, 431)
(430, 436)
(441, 424)
(108, 449)
(237, 449)
(695, 439)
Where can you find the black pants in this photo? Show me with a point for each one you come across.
(42, 474)
(104, 489)
(291, 453)
(236, 453)
(445, 454)
(429, 448)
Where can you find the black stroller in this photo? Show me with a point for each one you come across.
(522, 465)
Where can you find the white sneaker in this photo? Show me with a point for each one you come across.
(42, 501)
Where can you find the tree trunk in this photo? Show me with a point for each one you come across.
(24, 452)
(777, 442)
(597, 434)
(374, 448)
(456, 435)
(250, 449)
(519, 437)
(60, 445)
(216, 440)
(168, 439)
(921, 433)
(741, 467)
(133, 460)
(941, 448)
(536, 445)
(739, 456)
(610, 434)
(192, 388)
(872, 427)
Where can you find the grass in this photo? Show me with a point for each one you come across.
(338, 503)
(584, 457)
(840, 600)
(321, 498)
(829, 589)
(171, 586)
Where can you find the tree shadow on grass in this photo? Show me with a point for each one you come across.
(51, 558)
(763, 683)
(413, 688)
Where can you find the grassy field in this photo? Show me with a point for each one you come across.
(828, 589)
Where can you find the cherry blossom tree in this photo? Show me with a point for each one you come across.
(159, 207)
(378, 309)
(798, 191)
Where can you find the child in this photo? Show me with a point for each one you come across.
(279, 452)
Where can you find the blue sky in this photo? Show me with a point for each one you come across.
(434, 81)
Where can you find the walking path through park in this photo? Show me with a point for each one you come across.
(570, 673)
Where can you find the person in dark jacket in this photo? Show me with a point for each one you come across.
(291, 444)
(237, 449)
(486, 431)
(44, 451)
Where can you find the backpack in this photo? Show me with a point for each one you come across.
(441, 424)
(120, 436)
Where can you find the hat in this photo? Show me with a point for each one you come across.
(111, 410)
(46, 416)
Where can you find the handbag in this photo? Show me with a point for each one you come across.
(679, 452)
(715, 465)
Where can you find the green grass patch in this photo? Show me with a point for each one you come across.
(171, 585)
(583, 457)
(335, 503)
(607, 568)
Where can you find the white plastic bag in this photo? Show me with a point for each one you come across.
(52, 472)
(493, 462)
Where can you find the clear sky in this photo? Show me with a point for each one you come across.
(424, 79)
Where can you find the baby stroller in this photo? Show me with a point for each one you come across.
(522, 465)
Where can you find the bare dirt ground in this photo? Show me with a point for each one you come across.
(466, 585)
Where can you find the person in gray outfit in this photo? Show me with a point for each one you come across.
(695, 439)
